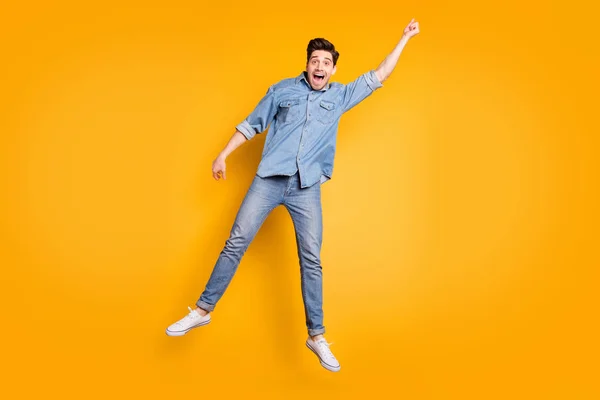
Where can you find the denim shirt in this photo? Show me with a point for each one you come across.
(303, 125)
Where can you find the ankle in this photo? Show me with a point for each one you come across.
(201, 311)
(316, 337)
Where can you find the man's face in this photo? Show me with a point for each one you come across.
(319, 69)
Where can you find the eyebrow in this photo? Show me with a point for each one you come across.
(327, 58)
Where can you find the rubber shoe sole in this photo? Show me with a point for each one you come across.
(181, 333)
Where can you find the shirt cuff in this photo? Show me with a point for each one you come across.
(372, 80)
(246, 129)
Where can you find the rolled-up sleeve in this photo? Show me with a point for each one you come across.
(261, 116)
(359, 89)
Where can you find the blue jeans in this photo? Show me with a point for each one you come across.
(304, 206)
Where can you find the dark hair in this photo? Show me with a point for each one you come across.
(322, 44)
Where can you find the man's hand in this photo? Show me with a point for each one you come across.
(411, 29)
(218, 168)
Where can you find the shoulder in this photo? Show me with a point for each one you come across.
(283, 84)
(282, 88)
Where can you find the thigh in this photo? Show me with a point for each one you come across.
(261, 198)
(304, 206)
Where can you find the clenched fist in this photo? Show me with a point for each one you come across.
(411, 29)
(218, 168)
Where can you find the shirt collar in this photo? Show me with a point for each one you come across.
(302, 77)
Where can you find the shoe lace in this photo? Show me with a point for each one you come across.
(191, 313)
(190, 316)
(324, 345)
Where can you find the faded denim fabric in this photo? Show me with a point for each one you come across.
(304, 206)
(303, 125)
(298, 153)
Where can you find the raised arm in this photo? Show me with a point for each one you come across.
(387, 66)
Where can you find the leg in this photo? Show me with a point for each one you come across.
(304, 206)
(261, 199)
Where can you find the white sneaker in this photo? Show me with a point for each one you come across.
(321, 349)
(190, 321)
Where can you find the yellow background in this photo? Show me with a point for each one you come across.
(461, 225)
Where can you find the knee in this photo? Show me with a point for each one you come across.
(310, 258)
(235, 245)
(238, 241)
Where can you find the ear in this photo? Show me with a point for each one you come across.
(333, 71)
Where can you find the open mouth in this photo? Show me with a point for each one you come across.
(318, 78)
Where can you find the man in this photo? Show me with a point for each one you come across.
(303, 115)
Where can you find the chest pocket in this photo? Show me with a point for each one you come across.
(326, 112)
(289, 111)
